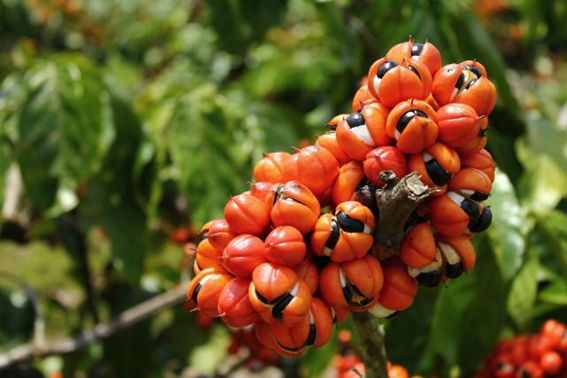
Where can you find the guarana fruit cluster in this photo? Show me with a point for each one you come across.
(535, 356)
(280, 263)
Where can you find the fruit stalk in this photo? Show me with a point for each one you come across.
(394, 203)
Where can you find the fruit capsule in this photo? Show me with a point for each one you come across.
(234, 305)
(204, 291)
(285, 246)
(271, 167)
(398, 291)
(243, 254)
(277, 294)
(351, 176)
(413, 124)
(346, 235)
(458, 254)
(482, 161)
(458, 124)
(436, 165)
(385, 158)
(313, 166)
(417, 250)
(430, 275)
(220, 234)
(293, 204)
(393, 83)
(246, 215)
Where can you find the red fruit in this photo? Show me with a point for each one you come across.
(482, 161)
(458, 254)
(418, 247)
(313, 166)
(398, 290)
(361, 97)
(393, 83)
(220, 234)
(354, 284)
(246, 215)
(285, 246)
(208, 256)
(350, 176)
(260, 190)
(243, 254)
(293, 204)
(346, 235)
(425, 53)
(458, 124)
(413, 124)
(329, 142)
(385, 158)
(397, 371)
(271, 167)
(478, 143)
(529, 369)
(436, 165)
(204, 291)
(277, 294)
(551, 363)
(308, 272)
(234, 306)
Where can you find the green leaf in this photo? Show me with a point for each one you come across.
(314, 362)
(64, 129)
(509, 226)
(207, 357)
(523, 293)
(553, 225)
(556, 293)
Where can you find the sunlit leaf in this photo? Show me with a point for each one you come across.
(523, 293)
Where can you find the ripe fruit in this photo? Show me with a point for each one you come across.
(313, 166)
(271, 167)
(385, 158)
(220, 234)
(246, 215)
(204, 291)
(398, 291)
(234, 306)
(243, 254)
(285, 246)
(436, 165)
(418, 247)
(392, 83)
(458, 124)
(425, 53)
(293, 204)
(413, 124)
(351, 175)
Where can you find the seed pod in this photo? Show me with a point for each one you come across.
(435, 165)
(243, 254)
(417, 250)
(313, 166)
(293, 204)
(234, 305)
(204, 291)
(271, 167)
(246, 215)
(425, 53)
(398, 290)
(413, 124)
(285, 246)
(385, 158)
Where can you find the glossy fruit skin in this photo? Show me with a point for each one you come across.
(285, 246)
(234, 304)
(271, 167)
(448, 217)
(551, 363)
(243, 254)
(397, 371)
(387, 158)
(409, 79)
(425, 53)
(436, 165)
(308, 272)
(204, 291)
(399, 288)
(529, 369)
(330, 143)
(313, 166)
(293, 204)
(346, 235)
(361, 131)
(482, 161)
(208, 256)
(246, 215)
(459, 84)
(556, 333)
(458, 124)
(461, 245)
(469, 180)
(479, 142)
(220, 234)
(276, 293)
(417, 250)
(361, 97)
(350, 177)
(413, 124)
(260, 190)
(364, 274)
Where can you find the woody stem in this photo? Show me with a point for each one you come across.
(393, 204)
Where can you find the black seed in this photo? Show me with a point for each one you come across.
(365, 301)
(478, 196)
(357, 290)
(438, 175)
(355, 120)
(335, 235)
(414, 70)
(475, 70)
(320, 261)
(471, 209)
(349, 224)
(278, 309)
(471, 83)
(312, 335)
(266, 301)
(454, 270)
(404, 121)
(483, 221)
(416, 49)
(330, 127)
(385, 68)
(347, 294)
(277, 195)
(430, 279)
(460, 81)
(392, 315)
(293, 350)
(196, 293)
(420, 113)
(203, 235)
(362, 182)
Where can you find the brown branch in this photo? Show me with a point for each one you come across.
(393, 204)
(371, 339)
(124, 320)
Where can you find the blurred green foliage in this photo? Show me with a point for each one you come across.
(126, 120)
